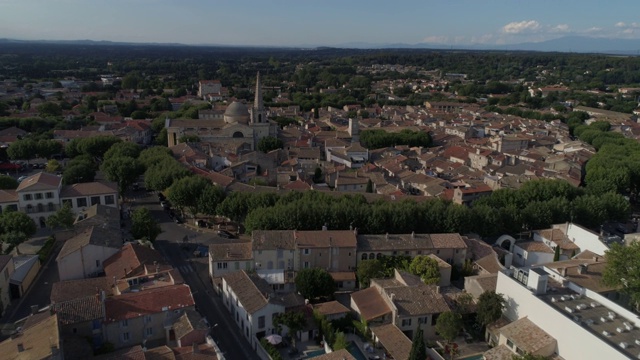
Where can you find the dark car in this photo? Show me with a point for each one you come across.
(161, 197)
(201, 223)
(225, 234)
(177, 220)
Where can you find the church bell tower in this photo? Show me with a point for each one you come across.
(258, 114)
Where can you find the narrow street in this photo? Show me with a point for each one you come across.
(223, 330)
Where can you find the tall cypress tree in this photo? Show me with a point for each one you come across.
(556, 255)
(418, 346)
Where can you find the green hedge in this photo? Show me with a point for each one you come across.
(44, 252)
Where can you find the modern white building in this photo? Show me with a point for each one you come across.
(585, 324)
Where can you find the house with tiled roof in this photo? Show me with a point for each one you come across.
(190, 328)
(229, 257)
(135, 317)
(252, 304)
(38, 341)
(83, 255)
(332, 310)
(404, 300)
(82, 316)
(450, 247)
(137, 267)
(393, 340)
(26, 269)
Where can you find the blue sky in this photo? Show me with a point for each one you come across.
(318, 22)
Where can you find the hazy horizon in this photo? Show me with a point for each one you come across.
(293, 24)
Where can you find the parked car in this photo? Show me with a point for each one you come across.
(165, 204)
(21, 178)
(225, 234)
(177, 220)
(201, 223)
(136, 186)
(161, 197)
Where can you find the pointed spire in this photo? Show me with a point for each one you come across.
(257, 102)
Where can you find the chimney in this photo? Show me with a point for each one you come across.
(34, 309)
(562, 271)
(355, 231)
(413, 235)
(325, 227)
(20, 347)
(596, 258)
(582, 268)
(438, 289)
(386, 236)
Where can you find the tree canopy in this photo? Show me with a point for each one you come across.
(187, 193)
(622, 270)
(143, 225)
(448, 325)
(269, 143)
(425, 267)
(314, 283)
(489, 307)
(63, 218)
(367, 270)
(123, 170)
(418, 346)
(8, 183)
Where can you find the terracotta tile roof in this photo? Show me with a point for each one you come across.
(343, 276)
(534, 246)
(490, 264)
(273, 239)
(152, 301)
(62, 291)
(130, 260)
(79, 310)
(8, 196)
(232, 251)
(40, 180)
(188, 322)
(397, 344)
(160, 353)
(325, 238)
(558, 237)
(414, 301)
(90, 188)
(527, 336)
(487, 282)
(370, 303)
(252, 291)
(342, 354)
(37, 341)
(500, 352)
(132, 353)
(214, 177)
(93, 235)
(297, 185)
(331, 308)
(205, 352)
(410, 242)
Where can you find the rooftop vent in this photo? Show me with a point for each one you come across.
(620, 329)
(581, 306)
(594, 304)
(623, 345)
(637, 341)
(589, 321)
(628, 326)
(606, 333)
(568, 309)
(603, 319)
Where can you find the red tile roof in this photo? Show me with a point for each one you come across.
(41, 178)
(129, 259)
(147, 302)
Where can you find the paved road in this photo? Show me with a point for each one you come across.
(38, 294)
(194, 271)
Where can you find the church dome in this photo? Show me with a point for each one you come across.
(236, 112)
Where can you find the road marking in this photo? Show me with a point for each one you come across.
(186, 268)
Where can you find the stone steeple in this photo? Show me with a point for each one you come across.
(258, 113)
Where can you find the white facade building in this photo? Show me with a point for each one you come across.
(585, 324)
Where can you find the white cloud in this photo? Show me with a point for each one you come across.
(527, 26)
(560, 28)
(620, 24)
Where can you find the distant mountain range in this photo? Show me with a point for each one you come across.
(578, 44)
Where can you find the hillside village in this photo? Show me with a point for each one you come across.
(205, 288)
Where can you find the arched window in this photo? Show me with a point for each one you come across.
(238, 134)
(364, 256)
(29, 208)
(51, 207)
(379, 256)
(372, 256)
